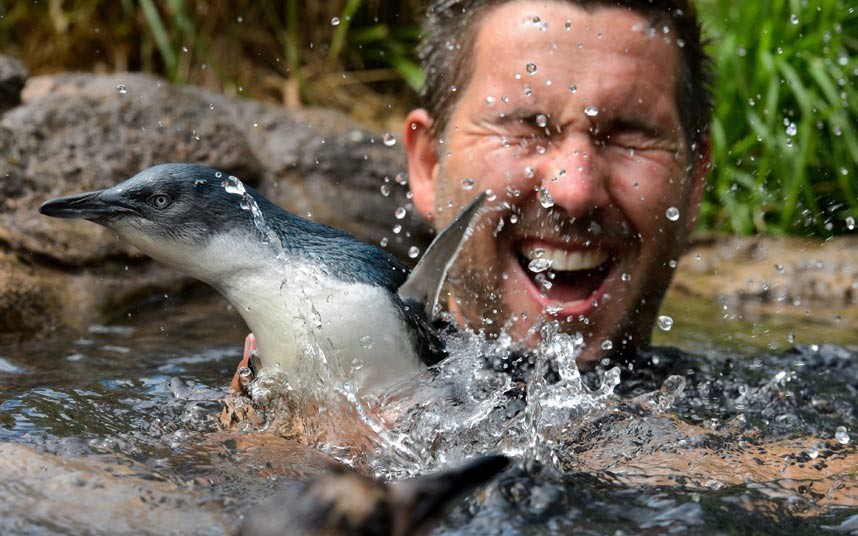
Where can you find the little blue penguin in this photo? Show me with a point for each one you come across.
(297, 284)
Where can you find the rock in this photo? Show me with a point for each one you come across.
(13, 74)
(79, 132)
(768, 270)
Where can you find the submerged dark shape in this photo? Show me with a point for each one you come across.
(297, 283)
(344, 502)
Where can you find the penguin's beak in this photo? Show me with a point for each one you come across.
(88, 206)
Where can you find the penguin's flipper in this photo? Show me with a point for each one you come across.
(424, 283)
(426, 499)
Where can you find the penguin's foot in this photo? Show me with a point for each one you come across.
(244, 373)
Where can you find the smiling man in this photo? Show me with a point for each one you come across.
(587, 121)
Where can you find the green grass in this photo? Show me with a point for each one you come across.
(784, 141)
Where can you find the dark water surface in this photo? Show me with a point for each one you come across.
(117, 431)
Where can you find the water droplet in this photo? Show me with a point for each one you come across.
(607, 344)
(184, 49)
(389, 139)
(467, 183)
(791, 129)
(529, 172)
(779, 268)
(531, 68)
(793, 18)
(385, 190)
(539, 265)
(568, 25)
(513, 218)
(665, 323)
(527, 92)
(841, 435)
(812, 452)
(672, 213)
(335, 21)
(545, 197)
(232, 185)
(122, 89)
(366, 342)
(573, 88)
(400, 213)
(401, 178)
(413, 252)
(490, 195)
(626, 277)
(542, 120)
(850, 223)
(490, 100)
(592, 111)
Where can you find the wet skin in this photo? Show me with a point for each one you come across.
(611, 154)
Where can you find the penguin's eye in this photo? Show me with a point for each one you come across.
(160, 200)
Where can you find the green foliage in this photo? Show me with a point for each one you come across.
(356, 55)
(784, 141)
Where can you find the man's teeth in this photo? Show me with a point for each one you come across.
(567, 261)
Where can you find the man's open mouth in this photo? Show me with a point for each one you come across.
(564, 275)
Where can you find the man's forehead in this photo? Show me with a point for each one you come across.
(534, 51)
(551, 27)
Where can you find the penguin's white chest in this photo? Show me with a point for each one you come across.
(308, 322)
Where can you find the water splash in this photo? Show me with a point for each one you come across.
(557, 394)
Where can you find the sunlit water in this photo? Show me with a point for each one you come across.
(120, 430)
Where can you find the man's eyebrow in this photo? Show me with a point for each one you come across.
(621, 122)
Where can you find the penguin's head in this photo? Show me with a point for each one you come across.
(173, 212)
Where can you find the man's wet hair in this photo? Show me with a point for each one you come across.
(450, 30)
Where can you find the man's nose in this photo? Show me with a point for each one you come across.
(576, 176)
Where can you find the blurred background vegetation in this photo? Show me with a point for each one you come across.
(785, 142)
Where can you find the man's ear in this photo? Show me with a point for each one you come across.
(422, 161)
(699, 173)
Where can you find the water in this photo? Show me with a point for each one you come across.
(124, 420)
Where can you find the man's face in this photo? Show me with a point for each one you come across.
(570, 120)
